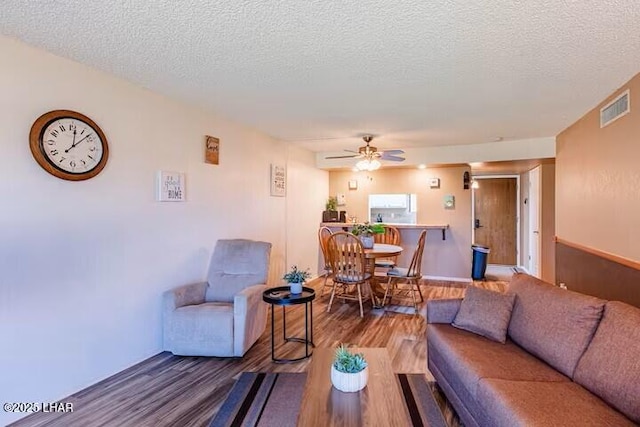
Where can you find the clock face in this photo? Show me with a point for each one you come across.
(68, 145)
(72, 145)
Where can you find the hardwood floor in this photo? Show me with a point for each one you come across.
(167, 390)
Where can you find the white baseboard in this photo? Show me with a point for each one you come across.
(449, 279)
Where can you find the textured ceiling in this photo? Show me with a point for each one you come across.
(318, 72)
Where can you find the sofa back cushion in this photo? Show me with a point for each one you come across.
(236, 264)
(610, 368)
(553, 324)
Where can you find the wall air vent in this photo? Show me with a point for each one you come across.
(615, 109)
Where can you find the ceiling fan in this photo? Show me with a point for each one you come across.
(370, 155)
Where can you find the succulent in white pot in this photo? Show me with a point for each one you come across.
(349, 371)
(296, 278)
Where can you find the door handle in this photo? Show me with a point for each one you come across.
(477, 223)
(535, 232)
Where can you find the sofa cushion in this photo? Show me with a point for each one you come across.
(201, 330)
(464, 358)
(485, 312)
(236, 264)
(442, 310)
(610, 367)
(554, 324)
(508, 403)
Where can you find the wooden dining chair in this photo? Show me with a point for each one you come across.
(391, 236)
(349, 268)
(409, 277)
(323, 235)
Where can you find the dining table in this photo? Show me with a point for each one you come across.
(379, 250)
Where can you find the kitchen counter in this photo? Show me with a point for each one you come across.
(442, 227)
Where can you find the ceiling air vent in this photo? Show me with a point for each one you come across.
(615, 109)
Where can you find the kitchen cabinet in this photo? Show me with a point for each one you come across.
(393, 201)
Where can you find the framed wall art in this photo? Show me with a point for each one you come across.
(212, 150)
(278, 180)
(171, 187)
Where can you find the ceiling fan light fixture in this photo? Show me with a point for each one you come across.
(370, 156)
(368, 165)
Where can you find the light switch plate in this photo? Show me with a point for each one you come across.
(449, 202)
(434, 183)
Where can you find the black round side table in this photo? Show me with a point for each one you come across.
(282, 296)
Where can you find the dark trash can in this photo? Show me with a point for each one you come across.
(479, 263)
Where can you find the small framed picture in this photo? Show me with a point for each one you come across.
(171, 187)
(449, 201)
(212, 150)
(278, 180)
(353, 184)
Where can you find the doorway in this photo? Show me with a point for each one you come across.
(496, 217)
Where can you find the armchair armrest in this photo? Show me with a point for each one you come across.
(247, 299)
(175, 298)
(184, 295)
(249, 318)
(442, 310)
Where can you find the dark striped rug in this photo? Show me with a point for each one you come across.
(273, 399)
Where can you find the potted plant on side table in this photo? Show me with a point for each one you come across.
(349, 371)
(296, 278)
(366, 231)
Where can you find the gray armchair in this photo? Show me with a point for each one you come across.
(224, 316)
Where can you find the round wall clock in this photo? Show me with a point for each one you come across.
(68, 145)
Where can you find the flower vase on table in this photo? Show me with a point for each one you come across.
(295, 287)
(367, 242)
(366, 231)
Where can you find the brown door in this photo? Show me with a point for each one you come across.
(495, 219)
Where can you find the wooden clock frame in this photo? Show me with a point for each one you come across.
(37, 148)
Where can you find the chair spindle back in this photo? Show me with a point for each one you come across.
(346, 257)
(415, 268)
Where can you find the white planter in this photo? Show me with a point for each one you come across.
(349, 382)
(367, 242)
(295, 288)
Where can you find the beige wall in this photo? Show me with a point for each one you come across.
(449, 258)
(84, 264)
(598, 176)
(307, 192)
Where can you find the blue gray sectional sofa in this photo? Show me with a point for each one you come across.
(569, 360)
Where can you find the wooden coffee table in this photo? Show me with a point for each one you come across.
(380, 403)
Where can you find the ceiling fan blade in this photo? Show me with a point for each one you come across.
(393, 151)
(392, 158)
(342, 157)
(352, 151)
